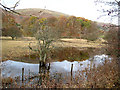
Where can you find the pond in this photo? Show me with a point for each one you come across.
(13, 68)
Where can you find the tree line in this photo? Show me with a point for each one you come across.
(71, 26)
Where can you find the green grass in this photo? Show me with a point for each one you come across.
(102, 36)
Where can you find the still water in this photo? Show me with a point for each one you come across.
(13, 68)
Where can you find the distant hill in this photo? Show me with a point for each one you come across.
(44, 13)
(40, 12)
(26, 13)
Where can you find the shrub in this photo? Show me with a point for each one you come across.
(91, 33)
(112, 39)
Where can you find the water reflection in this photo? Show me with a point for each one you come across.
(13, 68)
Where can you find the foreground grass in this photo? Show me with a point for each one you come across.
(18, 49)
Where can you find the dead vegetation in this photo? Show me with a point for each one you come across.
(104, 76)
(16, 49)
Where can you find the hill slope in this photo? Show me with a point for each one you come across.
(42, 13)
(39, 12)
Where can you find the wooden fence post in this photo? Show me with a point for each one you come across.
(22, 75)
(71, 71)
(49, 67)
(29, 74)
(29, 49)
(40, 67)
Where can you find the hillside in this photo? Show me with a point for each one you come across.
(44, 13)
(37, 12)
(25, 13)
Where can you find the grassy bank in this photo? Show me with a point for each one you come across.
(14, 49)
(18, 49)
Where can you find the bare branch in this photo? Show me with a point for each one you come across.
(9, 9)
(116, 1)
(16, 4)
(101, 16)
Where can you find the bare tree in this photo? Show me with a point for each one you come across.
(45, 36)
(109, 8)
(113, 11)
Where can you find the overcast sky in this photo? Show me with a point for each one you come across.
(79, 8)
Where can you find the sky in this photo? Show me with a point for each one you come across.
(79, 8)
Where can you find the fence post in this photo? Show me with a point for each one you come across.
(71, 71)
(40, 67)
(22, 75)
(29, 74)
(49, 67)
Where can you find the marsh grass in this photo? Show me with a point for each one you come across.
(103, 76)
(18, 49)
(69, 53)
(61, 54)
(14, 49)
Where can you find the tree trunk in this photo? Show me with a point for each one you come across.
(40, 67)
(43, 64)
(119, 38)
(13, 38)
